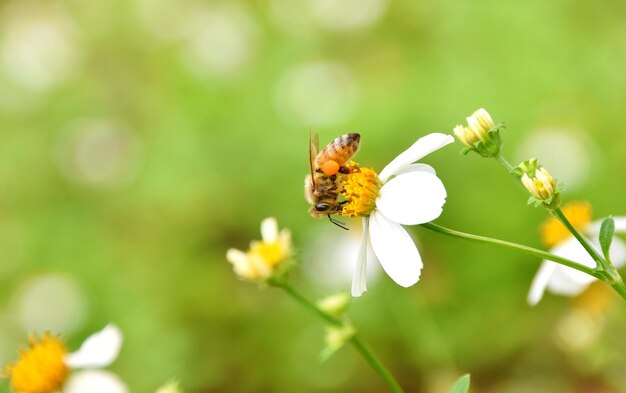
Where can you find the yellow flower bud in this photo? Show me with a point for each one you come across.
(481, 134)
(539, 183)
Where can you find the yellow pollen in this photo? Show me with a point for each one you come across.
(553, 232)
(360, 190)
(271, 253)
(40, 368)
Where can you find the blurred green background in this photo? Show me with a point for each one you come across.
(140, 139)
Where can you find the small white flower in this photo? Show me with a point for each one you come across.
(264, 257)
(45, 366)
(407, 194)
(563, 280)
(98, 351)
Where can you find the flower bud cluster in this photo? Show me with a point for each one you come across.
(481, 135)
(539, 183)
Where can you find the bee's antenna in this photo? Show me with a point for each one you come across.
(340, 224)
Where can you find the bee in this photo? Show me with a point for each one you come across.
(325, 182)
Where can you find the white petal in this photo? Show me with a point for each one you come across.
(236, 257)
(416, 168)
(412, 198)
(395, 250)
(618, 252)
(359, 281)
(422, 147)
(99, 350)
(568, 281)
(540, 282)
(620, 224)
(269, 230)
(95, 381)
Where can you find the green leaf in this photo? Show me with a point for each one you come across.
(462, 385)
(606, 236)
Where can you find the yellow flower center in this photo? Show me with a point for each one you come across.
(40, 368)
(360, 190)
(271, 253)
(553, 232)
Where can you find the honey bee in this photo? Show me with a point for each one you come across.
(325, 182)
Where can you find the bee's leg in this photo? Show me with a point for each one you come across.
(340, 224)
(343, 202)
(344, 170)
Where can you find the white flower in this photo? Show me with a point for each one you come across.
(563, 280)
(408, 194)
(44, 367)
(264, 257)
(97, 351)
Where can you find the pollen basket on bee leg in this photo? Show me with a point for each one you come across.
(330, 168)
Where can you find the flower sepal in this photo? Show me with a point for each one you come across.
(280, 276)
(491, 145)
(336, 305)
(551, 203)
(336, 337)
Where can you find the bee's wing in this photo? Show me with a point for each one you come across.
(314, 143)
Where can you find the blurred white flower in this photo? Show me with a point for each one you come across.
(220, 39)
(563, 280)
(348, 14)
(39, 48)
(565, 151)
(330, 255)
(317, 94)
(403, 193)
(99, 152)
(51, 302)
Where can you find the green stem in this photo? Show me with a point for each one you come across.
(500, 158)
(309, 305)
(376, 365)
(620, 288)
(558, 213)
(514, 246)
(604, 267)
(367, 353)
(604, 270)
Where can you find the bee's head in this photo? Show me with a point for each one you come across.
(322, 209)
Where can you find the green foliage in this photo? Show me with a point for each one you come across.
(462, 385)
(141, 223)
(606, 236)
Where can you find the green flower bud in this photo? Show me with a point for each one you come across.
(335, 305)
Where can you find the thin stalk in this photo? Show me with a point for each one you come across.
(558, 213)
(514, 246)
(367, 353)
(500, 158)
(620, 288)
(603, 266)
(309, 305)
(376, 365)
